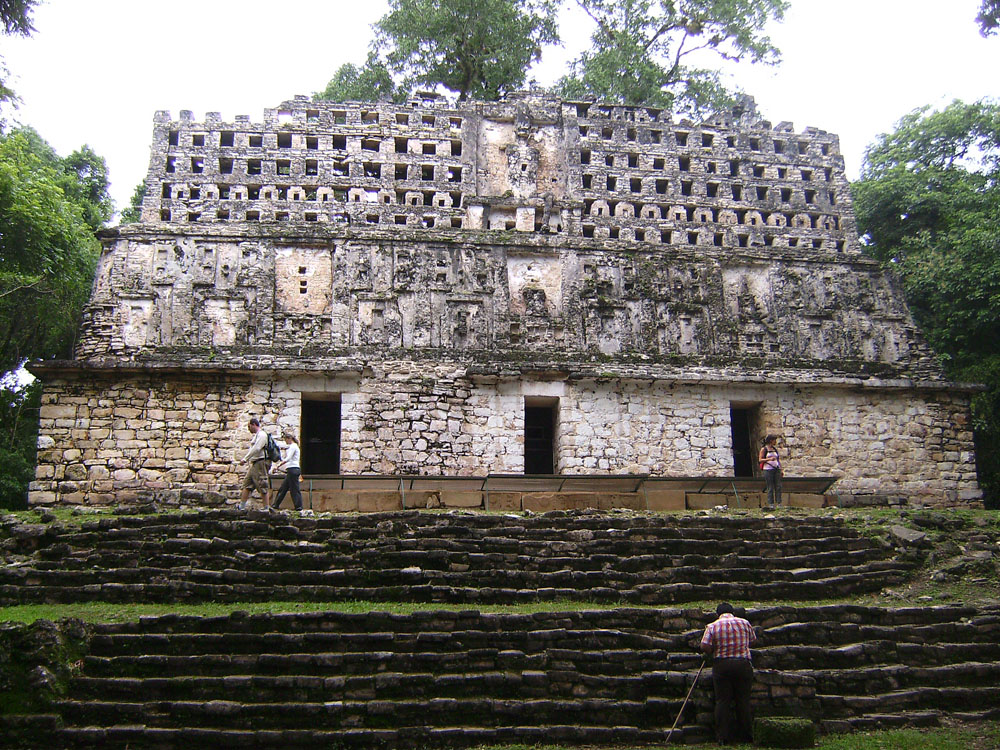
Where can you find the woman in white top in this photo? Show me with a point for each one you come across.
(292, 472)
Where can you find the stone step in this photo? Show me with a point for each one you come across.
(240, 586)
(878, 721)
(831, 634)
(386, 685)
(911, 699)
(613, 663)
(611, 576)
(238, 643)
(306, 559)
(863, 654)
(124, 737)
(888, 677)
(394, 714)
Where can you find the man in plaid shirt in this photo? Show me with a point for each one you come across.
(728, 640)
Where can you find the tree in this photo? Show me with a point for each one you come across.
(18, 439)
(928, 206)
(15, 16)
(642, 50)
(133, 212)
(370, 83)
(989, 17)
(48, 252)
(477, 48)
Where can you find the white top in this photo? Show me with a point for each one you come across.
(291, 455)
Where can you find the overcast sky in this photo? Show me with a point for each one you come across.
(95, 72)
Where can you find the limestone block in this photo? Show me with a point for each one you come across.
(747, 500)
(503, 501)
(371, 501)
(57, 411)
(705, 500)
(666, 499)
(418, 499)
(76, 472)
(41, 498)
(804, 500)
(333, 501)
(629, 500)
(458, 499)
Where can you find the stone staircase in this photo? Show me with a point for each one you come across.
(621, 558)
(438, 679)
(441, 678)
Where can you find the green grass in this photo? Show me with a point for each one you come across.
(984, 736)
(112, 612)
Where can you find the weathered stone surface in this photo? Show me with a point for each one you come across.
(433, 269)
(907, 536)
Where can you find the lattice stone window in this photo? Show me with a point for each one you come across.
(256, 141)
(227, 138)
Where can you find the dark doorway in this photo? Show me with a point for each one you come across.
(540, 436)
(320, 437)
(744, 456)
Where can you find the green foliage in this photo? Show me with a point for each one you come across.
(989, 17)
(133, 213)
(641, 50)
(48, 252)
(927, 205)
(18, 438)
(15, 17)
(477, 48)
(371, 83)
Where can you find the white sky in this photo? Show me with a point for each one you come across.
(96, 71)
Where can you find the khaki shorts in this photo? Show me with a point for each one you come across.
(256, 477)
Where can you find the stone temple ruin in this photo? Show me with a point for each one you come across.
(530, 286)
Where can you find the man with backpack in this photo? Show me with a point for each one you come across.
(257, 473)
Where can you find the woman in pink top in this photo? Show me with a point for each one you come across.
(771, 464)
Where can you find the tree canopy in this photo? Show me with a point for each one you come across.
(15, 18)
(477, 48)
(371, 82)
(928, 206)
(643, 50)
(989, 17)
(49, 208)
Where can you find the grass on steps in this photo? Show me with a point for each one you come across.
(980, 736)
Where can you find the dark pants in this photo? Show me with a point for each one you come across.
(772, 483)
(291, 484)
(732, 679)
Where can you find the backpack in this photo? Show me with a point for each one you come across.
(271, 452)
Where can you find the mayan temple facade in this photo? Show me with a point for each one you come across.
(527, 286)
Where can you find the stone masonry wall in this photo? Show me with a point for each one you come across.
(176, 438)
(431, 266)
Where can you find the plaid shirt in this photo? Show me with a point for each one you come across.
(730, 637)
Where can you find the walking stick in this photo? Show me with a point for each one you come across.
(686, 698)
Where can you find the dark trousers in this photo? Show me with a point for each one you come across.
(772, 484)
(291, 484)
(732, 679)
